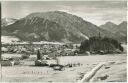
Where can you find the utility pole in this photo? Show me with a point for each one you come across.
(99, 35)
(100, 41)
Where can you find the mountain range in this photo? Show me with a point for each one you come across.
(57, 26)
(118, 30)
(7, 21)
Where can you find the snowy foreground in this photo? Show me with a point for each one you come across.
(115, 71)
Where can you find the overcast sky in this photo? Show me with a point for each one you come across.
(97, 12)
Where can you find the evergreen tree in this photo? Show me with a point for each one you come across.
(38, 55)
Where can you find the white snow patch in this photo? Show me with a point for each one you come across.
(8, 39)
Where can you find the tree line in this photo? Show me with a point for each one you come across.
(101, 44)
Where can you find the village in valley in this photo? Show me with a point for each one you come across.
(44, 58)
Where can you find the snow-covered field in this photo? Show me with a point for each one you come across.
(116, 72)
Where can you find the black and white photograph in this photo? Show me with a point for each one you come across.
(63, 41)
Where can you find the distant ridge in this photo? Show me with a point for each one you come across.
(54, 26)
(7, 21)
(119, 30)
(110, 26)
